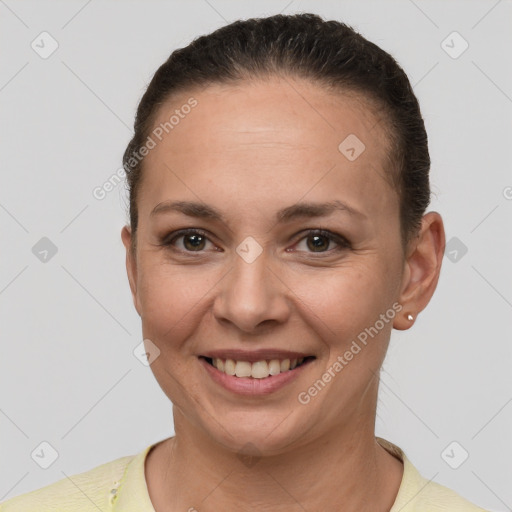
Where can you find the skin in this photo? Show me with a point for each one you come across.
(249, 150)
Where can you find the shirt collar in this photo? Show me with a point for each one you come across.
(412, 481)
(133, 495)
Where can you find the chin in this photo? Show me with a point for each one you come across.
(258, 434)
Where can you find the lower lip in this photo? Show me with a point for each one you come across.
(249, 385)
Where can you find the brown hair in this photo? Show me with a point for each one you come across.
(329, 53)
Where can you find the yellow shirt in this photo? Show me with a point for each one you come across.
(120, 486)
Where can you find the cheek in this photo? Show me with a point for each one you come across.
(343, 309)
(175, 301)
(345, 299)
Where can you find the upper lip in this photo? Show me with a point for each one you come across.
(252, 356)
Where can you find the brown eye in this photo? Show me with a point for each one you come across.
(192, 240)
(321, 241)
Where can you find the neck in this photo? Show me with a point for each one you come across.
(194, 473)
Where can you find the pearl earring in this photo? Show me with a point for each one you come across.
(410, 317)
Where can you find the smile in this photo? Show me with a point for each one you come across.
(258, 369)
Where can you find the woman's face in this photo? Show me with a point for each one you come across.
(253, 285)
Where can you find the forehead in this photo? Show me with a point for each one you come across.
(274, 130)
(294, 107)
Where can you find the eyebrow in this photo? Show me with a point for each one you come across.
(296, 211)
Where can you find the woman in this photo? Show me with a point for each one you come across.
(278, 179)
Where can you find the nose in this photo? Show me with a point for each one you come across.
(252, 296)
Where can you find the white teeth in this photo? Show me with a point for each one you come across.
(243, 369)
(229, 367)
(274, 367)
(258, 369)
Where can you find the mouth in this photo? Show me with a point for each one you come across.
(257, 369)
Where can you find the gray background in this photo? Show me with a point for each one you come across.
(68, 325)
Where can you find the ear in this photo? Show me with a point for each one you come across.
(131, 264)
(422, 268)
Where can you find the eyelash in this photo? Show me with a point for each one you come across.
(343, 243)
